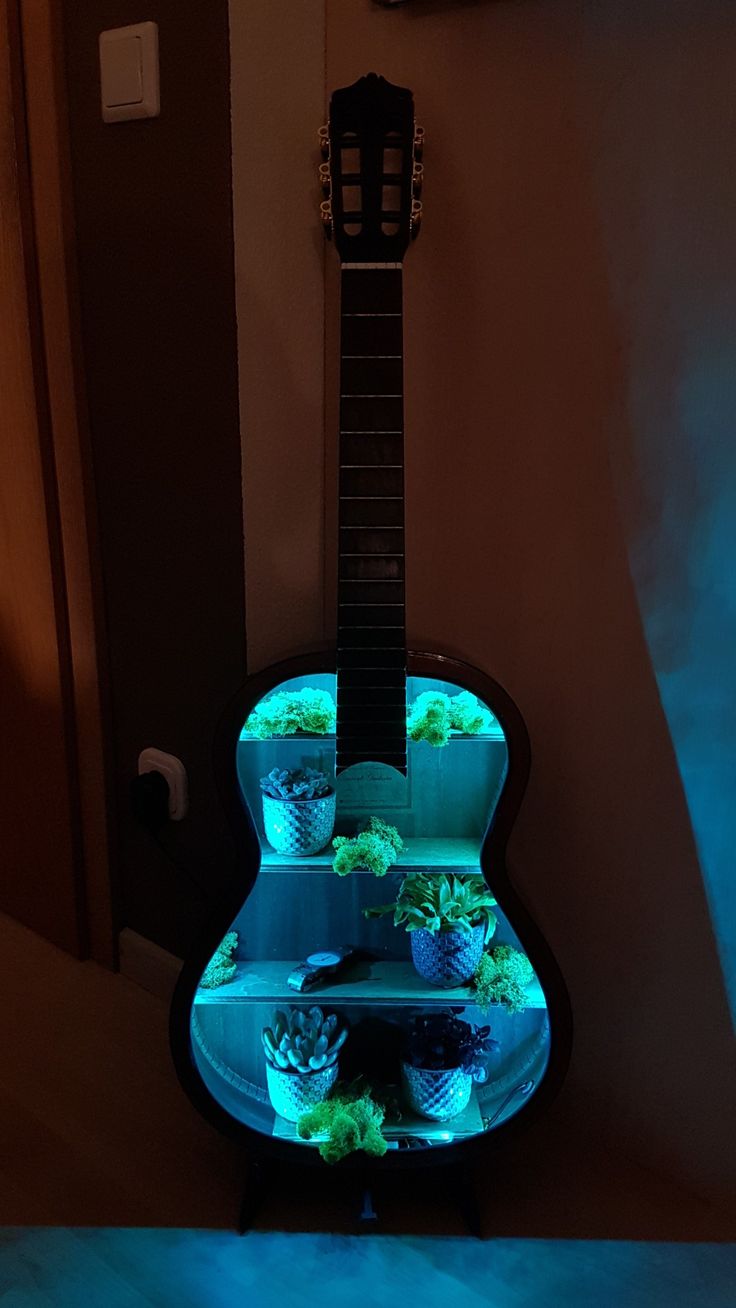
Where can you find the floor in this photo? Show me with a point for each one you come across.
(114, 1193)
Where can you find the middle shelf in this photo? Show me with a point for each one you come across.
(370, 983)
(426, 854)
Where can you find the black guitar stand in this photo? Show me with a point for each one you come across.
(360, 1192)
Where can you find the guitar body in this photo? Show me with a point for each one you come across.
(339, 1000)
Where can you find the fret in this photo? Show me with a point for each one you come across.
(364, 590)
(357, 660)
(376, 412)
(368, 479)
(368, 638)
(371, 356)
(371, 315)
(359, 567)
(348, 759)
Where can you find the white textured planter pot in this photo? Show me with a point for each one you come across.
(299, 827)
(294, 1093)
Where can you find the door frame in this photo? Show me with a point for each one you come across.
(48, 234)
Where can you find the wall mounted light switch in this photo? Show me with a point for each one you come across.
(129, 72)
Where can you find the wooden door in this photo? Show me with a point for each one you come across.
(53, 865)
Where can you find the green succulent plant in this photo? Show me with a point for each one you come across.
(351, 1119)
(222, 966)
(433, 715)
(502, 977)
(300, 784)
(375, 848)
(289, 711)
(303, 1040)
(440, 901)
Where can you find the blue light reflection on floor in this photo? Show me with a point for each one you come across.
(103, 1268)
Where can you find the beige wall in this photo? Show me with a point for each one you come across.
(517, 399)
(277, 54)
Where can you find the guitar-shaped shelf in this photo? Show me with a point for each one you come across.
(357, 742)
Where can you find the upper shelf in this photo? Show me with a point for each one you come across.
(432, 854)
(495, 734)
(385, 983)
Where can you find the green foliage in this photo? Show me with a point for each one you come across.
(222, 966)
(300, 784)
(440, 901)
(288, 711)
(376, 848)
(433, 715)
(351, 1118)
(303, 1041)
(501, 978)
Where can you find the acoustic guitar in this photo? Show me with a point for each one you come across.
(372, 990)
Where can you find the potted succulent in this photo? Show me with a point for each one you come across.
(301, 1049)
(298, 810)
(450, 920)
(443, 1056)
(287, 712)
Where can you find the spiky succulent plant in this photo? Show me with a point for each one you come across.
(302, 1040)
(289, 711)
(302, 783)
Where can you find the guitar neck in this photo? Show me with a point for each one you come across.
(371, 626)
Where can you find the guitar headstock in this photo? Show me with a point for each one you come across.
(372, 171)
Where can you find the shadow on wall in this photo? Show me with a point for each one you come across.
(516, 387)
(667, 202)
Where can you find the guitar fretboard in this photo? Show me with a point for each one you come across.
(371, 627)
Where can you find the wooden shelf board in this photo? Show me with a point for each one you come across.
(372, 984)
(460, 854)
(495, 734)
(469, 1122)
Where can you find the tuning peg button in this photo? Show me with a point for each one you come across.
(323, 137)
(417, 179)
(325, 211)
(416, 218)
(418, 142)
(324, 177)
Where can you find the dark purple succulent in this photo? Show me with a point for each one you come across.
(439, 1041)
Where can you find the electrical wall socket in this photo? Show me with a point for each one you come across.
(172, 768)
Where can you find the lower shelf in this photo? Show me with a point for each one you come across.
(411, 1132)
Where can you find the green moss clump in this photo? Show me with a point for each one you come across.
(351, 1119)
(222, 966)
(289, 711)
(376, 848)
(501, 978)
(433, 715)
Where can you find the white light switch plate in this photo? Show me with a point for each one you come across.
(129, 84)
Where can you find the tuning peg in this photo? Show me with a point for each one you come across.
(418, 142)
(417, 178)
(324, 178)
(416, 218)
(323, 137)
(325, 211)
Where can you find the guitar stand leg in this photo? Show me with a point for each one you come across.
(368, 1217)
(254, 1192)
(466, 1198)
